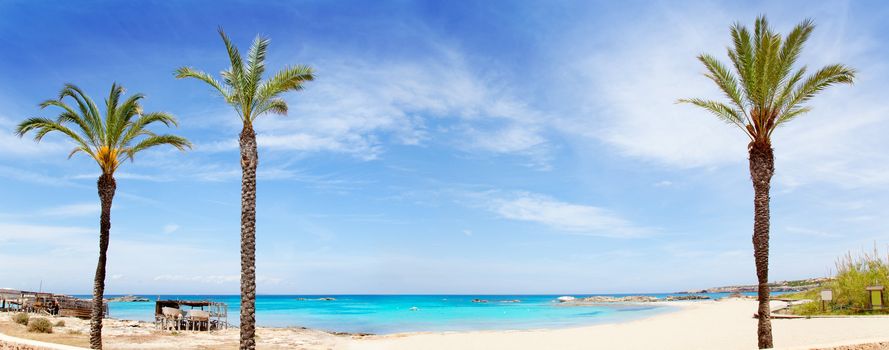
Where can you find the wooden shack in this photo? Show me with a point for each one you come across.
(10, 299)
(46, 303)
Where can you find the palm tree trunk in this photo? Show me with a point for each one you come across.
(107, 186)
(762, 166)
(249, 161)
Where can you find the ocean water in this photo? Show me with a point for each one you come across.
(385, 314)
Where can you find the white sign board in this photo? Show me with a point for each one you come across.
(827, 295)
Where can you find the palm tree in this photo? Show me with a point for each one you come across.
(244, 89)
(764, 92)
(109, 141)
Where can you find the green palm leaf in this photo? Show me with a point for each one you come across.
(764, 90)
(242, 85)
(108, 140)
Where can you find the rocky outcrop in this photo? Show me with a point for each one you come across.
(686, 297)
(129, 299)
(602, 299)
(606, 300)
(782, 286)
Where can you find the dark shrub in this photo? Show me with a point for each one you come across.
(21, 318)
(40, 325)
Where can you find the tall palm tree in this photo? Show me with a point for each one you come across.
(764, 92)
(244, 89)
(109, 140)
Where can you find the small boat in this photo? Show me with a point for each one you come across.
(565, 299)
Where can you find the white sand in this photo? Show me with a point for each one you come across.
(726, 324)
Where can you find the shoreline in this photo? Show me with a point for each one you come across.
(724, 324)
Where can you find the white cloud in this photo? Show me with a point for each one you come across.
(32, 177)
(73, 210)
(215, 279)
(170, 228)
(637, 84)
(652, 64)
(810, 232)
(361, 106)
(562, 216)
(14, 146)
(45, 233)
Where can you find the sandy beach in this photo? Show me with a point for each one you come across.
(725, 324)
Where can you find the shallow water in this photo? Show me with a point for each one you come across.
(383, 314)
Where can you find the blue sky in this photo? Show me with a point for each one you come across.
(445, 147)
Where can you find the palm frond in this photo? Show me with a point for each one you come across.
(107, 140)
(256, 65)
(818, 81)
(70, 115)
(725, 80)
(235, 75)
(742, 57)
(274, 106)
(89, 110)
(246, 91)
(764, 88)
(793, 45)
(720, 110)
(120, 119)
(178, 142)
(791, 114)
(44, 126)
(137, 127)
(188, 72)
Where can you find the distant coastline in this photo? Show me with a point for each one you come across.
(781, 286)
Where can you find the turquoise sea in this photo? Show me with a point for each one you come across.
(384, 314)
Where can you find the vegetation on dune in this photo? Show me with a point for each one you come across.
(39, 325)
(764, 91)
(110, 140)
(854, 274)
(245, 90)
(21, 318)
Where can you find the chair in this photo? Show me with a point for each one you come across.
(171, 314)
(197, 318)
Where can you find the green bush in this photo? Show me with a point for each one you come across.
(854, 274)
(60, 323)
(40, 325)
(21, 318)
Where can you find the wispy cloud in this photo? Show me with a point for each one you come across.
(72, 210)
(361, 107)
(16, 147)
(566, 217)
(214, 279)
(652, 65)
(36, 232)
(25, 175)
(170, 228)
